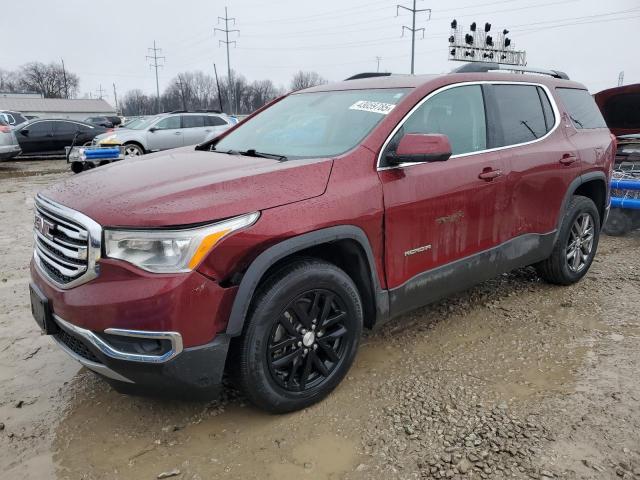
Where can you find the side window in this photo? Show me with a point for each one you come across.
(10, 119)
(168, 123)
(65, 128)
(582, 108)
(549, 117)
(40, 128)
(213, 121)
(457, 113)
(192, 121)
(520, 113)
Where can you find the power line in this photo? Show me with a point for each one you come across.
(413, 29)
(226, 31)
(155, 65)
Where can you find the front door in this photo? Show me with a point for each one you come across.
(439, 215)
(36, 137)
(167, 133)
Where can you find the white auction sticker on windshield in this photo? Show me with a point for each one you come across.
(374, 107)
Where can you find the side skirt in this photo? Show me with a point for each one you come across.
(435, 284)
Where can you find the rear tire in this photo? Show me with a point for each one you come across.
(302, 336)
(618, 223)
(576, 244)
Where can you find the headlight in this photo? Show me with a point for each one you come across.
(170, 251)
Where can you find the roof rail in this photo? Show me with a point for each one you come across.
(358, 76)
(477, 67)
(196, 111)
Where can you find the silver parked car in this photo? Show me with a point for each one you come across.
(9, 146)
(13, 119)
(167, 130)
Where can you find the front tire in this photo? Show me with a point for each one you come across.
(576, 244)
(132, 150)
(302, 336)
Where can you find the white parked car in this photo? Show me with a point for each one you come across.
(167, 130)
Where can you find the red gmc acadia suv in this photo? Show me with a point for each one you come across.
(265, 252)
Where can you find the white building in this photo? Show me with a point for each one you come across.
(75, 109)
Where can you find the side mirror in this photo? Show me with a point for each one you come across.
(419, 147)
(153, 129)
(25, 132)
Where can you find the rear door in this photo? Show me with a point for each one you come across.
(542, 162)
(63, 134)
(168, 133)
(193, 129)
(440, 212)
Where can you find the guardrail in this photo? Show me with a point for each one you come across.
(623, 202)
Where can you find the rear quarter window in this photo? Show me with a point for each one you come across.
(582, 108)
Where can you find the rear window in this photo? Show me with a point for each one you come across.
(520, 113)
(623, 111)
(212, 121)
(582, 108)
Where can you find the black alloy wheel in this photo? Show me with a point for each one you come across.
(309, 340)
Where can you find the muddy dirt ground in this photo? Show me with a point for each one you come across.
(513, 379)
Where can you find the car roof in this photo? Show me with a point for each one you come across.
(417, 81)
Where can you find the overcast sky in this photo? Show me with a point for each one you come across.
(106, 42)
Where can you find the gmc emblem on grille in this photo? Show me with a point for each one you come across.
(45, 227)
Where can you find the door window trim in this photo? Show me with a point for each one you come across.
(552, 100)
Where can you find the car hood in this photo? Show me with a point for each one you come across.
(186, 186)
(119, 135)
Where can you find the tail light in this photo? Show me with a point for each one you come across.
(5, 129)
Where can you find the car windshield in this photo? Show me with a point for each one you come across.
(317, 124)
(132, 123)
(144, 123)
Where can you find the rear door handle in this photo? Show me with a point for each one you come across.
(489, 174)
(568, 159)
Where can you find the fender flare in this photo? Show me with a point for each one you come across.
(271, 255)
(573, 186)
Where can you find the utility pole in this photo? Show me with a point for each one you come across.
(115, 97)
(413, 28)
(378, 61)
(100, 92)
(621, 79)
(155, 65)
(181, 86)
(215, 70)
(64, 76)
(226, 31)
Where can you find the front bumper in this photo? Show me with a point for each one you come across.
(176, 370)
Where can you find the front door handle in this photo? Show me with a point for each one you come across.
(177, 133)
(489, 174)
(568, 159)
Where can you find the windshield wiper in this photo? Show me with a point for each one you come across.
(253, 153)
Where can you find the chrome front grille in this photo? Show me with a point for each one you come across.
(67, 244)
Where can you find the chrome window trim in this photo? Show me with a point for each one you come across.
(174, 337)
(94, 243)
(552, 100)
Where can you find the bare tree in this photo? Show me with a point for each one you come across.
(49, 80)
(306, 79)
(9, 81)
(135, 102)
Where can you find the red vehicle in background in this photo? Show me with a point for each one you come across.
(620, 107)
(265, 252)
